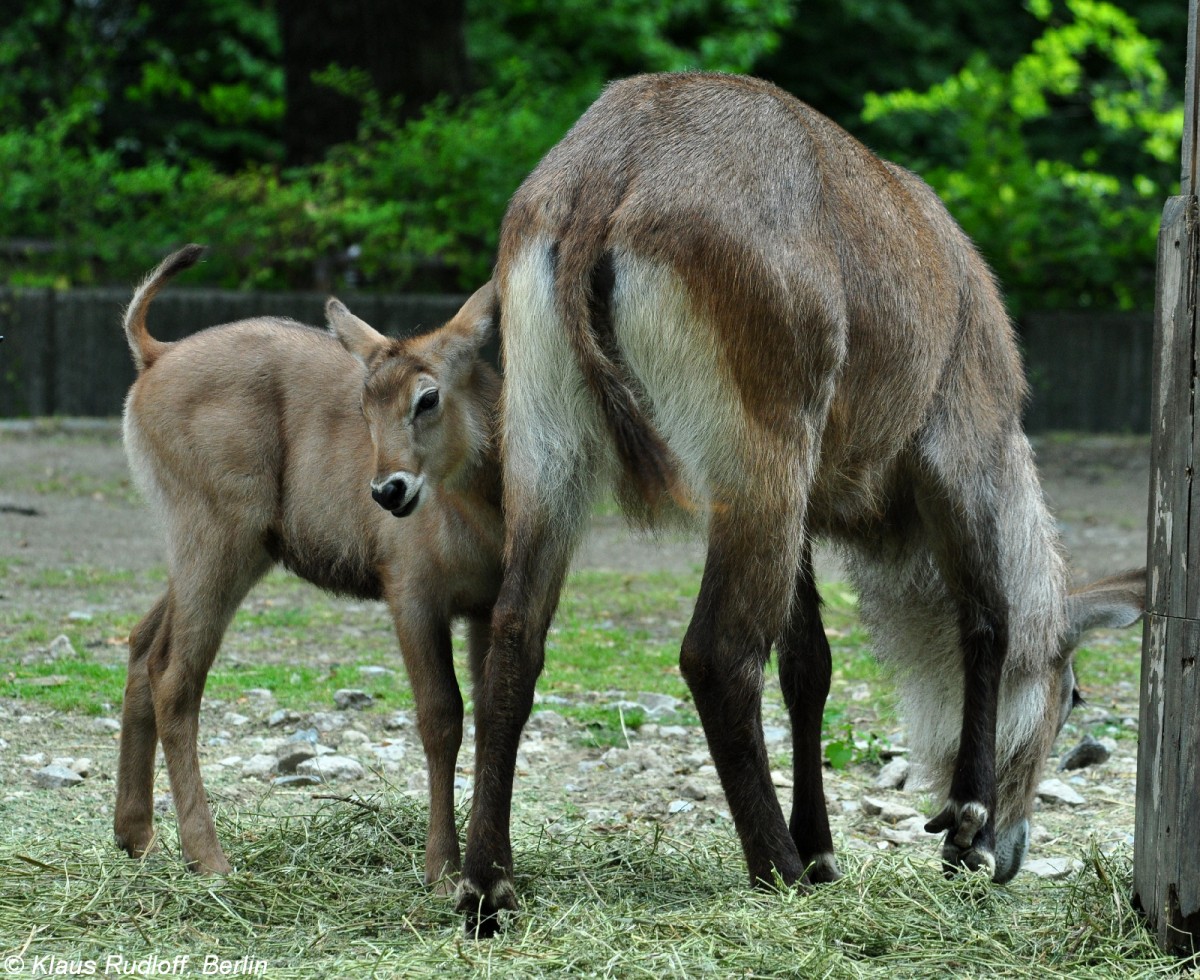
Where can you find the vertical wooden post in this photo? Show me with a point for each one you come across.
(1166, 861)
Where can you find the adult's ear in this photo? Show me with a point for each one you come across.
(358, 337)
(1113, 602)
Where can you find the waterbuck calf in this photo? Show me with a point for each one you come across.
(260, 442)
(713, 295)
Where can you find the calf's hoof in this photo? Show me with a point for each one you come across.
(137, 842)
(482, 906)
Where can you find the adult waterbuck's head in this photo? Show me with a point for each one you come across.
(713, 294)
(420, 436)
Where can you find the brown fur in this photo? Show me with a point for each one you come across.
(250, 439)
(711, 291)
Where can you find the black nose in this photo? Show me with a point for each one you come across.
(390, 495)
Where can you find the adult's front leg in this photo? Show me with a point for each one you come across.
(533, 578)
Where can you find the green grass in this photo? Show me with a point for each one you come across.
(614, 632)
(337, 892)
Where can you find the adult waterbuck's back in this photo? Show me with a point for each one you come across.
(712, 296)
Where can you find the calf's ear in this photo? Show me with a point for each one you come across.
(1113, 602)
(358, 337)
(458, 343)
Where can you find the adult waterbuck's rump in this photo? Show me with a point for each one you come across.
(713, 296)
(262, 442)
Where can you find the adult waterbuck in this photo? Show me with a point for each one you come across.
(260, 442)
(712, 296)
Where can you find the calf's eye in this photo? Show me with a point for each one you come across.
(427, 401)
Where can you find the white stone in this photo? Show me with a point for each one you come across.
(1056, 791)
(893, 775)
(1060, 867)
(332, 768)
(56, 777)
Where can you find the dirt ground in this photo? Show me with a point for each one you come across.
(65, 501)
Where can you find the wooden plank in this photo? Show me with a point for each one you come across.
(1191, 109)
(1166, 862)
(1171, 415)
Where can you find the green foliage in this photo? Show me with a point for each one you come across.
(1058, 166)
(146, 125)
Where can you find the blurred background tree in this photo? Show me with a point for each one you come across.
(376, 144)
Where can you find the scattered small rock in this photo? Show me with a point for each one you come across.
(234, 719)
(657, 704)
(282, 716)
(292, 754)
(305, 735)
(258, 766)
(348, 698)
(1053, 868)
(546, 720)
(680, 806)
(1056, 791)
(81, 766)
(893, 775)
(887, 810)
(1089, 752)
(106, 725)
(392, 752)
(80, 616)
(260, 694)
(355, 737)
(693, 790)
(60, 647)
(332, 768)
(56, 777)
(296, 779)
(401, 719)
(372, 670)
(34, 759)
(774, 734)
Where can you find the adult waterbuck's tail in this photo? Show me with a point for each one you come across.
(146, 349)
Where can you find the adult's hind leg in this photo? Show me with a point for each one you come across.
(133, 821)
(805, 664)
(203, 596)
(958, 502)
(743, 603)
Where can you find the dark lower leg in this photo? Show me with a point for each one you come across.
(726, 645)
(805, 665)
(503, 700)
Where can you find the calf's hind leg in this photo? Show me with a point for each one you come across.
(190, 620)
(133, 821)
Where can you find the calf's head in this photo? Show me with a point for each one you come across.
(426, 428)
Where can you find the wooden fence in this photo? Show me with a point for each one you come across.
(64, 353)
